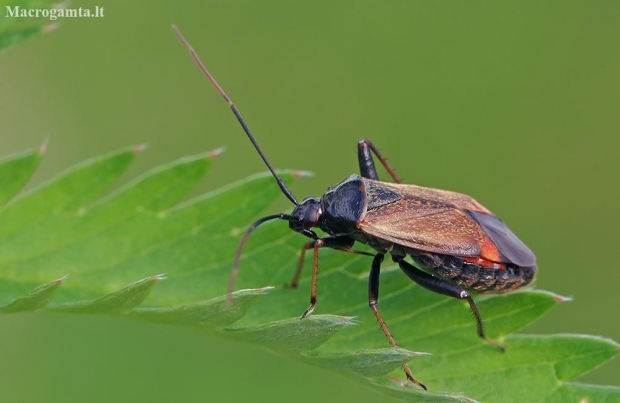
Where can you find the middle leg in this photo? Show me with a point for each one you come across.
(341, 243)
(373, 300)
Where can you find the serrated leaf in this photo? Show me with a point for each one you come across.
(35, 299)
(404, 390)
(367, 362)
(16, 29)
(120, 301)
(68, 193)
(293, 333)
(11, 37)
(146, 192)
(212, 313)
(571, 355)
(70, 225)
(16, 170)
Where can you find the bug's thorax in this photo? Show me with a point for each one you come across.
(337, 212)
(343, 206)
(346, 204)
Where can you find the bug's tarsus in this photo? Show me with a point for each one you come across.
(310, 309)
(287, 192)
(474, 309)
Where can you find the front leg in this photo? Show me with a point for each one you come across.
(341, 243)
(319, 243)
(336, 242)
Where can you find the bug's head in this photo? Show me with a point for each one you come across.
(306, 215)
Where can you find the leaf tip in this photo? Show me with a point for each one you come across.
(299, 174)
(404, 383)
(560, 298)
(51, 27)
(349, 320)
(265, 289)
(158, 277)
(43, 146)
(214, 154)
(140, 148)
(62, 279)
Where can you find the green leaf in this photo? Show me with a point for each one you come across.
(16, 170)
(67, 193)
(35, 299)
(213, 313)
(292, 333)
(585, 393)
(107, 239)
(121, 301)
(403, 391)
(15, 29)
(368, 362)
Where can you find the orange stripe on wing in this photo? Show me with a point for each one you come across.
(489, 256)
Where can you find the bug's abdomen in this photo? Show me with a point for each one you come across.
(475, 276)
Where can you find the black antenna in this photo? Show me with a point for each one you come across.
(232, 106)
(235, 268)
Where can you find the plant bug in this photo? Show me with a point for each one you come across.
(456, 243)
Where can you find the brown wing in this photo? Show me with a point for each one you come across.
(436, 198)
(431, 220)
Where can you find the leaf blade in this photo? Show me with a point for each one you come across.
(16, 171)
(35, 299)
(120, 301)
(213, 313)
(142, 228)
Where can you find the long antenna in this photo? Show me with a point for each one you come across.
(235, 268)
(232, 106)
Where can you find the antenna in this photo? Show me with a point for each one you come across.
(234, 109)
(235, 268)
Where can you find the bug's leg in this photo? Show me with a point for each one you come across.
(339, 243)
(336, 242)
(373, 300)
(300, 264)
(367, 165)
(319, 243)
(446, 288)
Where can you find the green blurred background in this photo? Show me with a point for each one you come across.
(514, 103)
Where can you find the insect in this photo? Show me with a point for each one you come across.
(456, 243)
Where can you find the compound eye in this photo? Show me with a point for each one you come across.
(311, 217)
